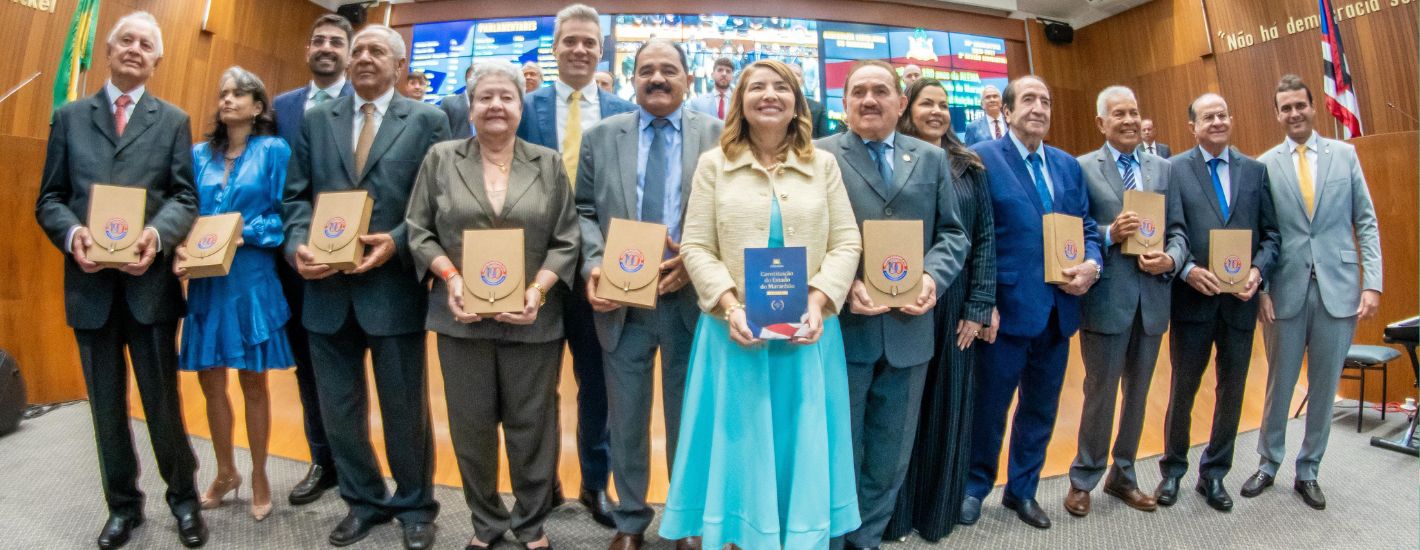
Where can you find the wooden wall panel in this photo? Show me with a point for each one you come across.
(265, 36)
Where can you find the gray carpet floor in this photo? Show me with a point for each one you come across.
(50, 498)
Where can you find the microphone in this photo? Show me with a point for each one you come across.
(1398, 110)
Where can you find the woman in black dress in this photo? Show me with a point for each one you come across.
(936, 479)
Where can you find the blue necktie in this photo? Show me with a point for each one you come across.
(883, 160)
(1126, 163)
(653, 189)
(1218, 185)
(1040, 188)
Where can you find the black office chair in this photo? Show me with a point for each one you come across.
(1364, 358)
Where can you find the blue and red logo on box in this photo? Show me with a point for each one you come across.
(895, 268)
(631, 260)
(1071, 249)
(335, 227)
(1147, 228)
(207, 241)
(1232, 265)
(116, 229)
(493, 273)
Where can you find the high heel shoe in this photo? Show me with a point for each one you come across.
(217, 492)
(260, 511)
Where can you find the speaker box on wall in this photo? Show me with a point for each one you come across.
(355, 13)
(12, 393)
(1058, 33)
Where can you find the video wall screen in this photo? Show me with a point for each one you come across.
(824, 49)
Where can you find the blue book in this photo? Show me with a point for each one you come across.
(776, 291)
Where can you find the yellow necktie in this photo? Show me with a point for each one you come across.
(1304, 179)
(572, 138)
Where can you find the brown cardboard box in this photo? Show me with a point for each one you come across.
(116, 223)
(1150, 208)
(892, 261)
(1064, 245)
(211, 244)
(493, 276)
(631, 263)
(1230, 258)
(339, 220)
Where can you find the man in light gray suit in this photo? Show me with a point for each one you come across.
(455, 106)
(638, 166)
(1125, 315)
(993, 125)
(890, 176)
(374, 140)
(1315, 295)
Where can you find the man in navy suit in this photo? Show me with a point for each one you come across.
(1028, 341)
(327, 54)
(556, 117)
(1148, 145)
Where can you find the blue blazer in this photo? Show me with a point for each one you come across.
(1023, 297)
(539, 124)
(290, 108)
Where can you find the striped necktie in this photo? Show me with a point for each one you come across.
(1126, 164)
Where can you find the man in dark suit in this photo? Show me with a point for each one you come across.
(620, 162)
(327, 54)
(1124, 316)
(556, 117)
(374, 140)
(123, 135)
(1148, 145)
(1028, 341)
(455, 106)
(1217, 187)
(993, 125)
(817, 113)
(890, 176)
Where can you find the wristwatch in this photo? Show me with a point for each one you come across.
(541, 293)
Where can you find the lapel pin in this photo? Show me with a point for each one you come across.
(906, 158)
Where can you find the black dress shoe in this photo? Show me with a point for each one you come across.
(600, 505)
(317, 480)
(1256, 484)
(1311, 493)
(353, 529)
(970, 510)
(117, 531)
(191, 530)
(1167, 493)
(420, 535)
(1028, 510)
(1216, 494)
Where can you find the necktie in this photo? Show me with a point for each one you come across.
(884, 161)
(120, 113)
(1304, 179)
(1218, 185)
(653, 188)
(720, 111)
(1151, 150)
(996, 128)
(1126, 163)
(1041, 189)
(572, 137)
(320, 97)
(367, 136)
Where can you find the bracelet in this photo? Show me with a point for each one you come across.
(448, 273)
(541, 293)
(732, 309)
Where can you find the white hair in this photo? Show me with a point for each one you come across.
(1102, 100)
(533, 66)
(139, 18)
(393, 38)
(578, 12)
(484, 69)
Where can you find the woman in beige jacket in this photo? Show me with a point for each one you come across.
(766, 456)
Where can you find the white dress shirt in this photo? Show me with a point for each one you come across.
(382, 105)
(1311, 145)
(992, 122)
(333, 91)
(591, 107)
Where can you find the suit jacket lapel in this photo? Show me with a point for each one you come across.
(520, 178)
(470, 170)
(1323, 166)
(144, 114)
(342, 132)
(1110, 173)
(390, 128)
(903, 162)
(546, 107)
(1205, 182)
(861, 161)
(1283, 162)
(689, 154)
(1149, 167)
(627, 151)
(102, 118)
(1023, 175)
(1236, 175)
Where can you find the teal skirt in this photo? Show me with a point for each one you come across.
(765, 457)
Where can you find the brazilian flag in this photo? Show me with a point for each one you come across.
(78, 52)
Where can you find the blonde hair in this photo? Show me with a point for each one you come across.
(735, 139)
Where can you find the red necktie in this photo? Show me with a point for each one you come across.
(996, 128)
(720, 111)
(120, 112)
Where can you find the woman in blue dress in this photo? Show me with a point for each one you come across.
(238, 321)
(766, 450)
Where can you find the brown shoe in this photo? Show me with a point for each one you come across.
(688, 543)
(1077, 502)
(626, 541)
(1132, 497)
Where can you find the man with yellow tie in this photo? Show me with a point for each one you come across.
(556, 117)
(1315, 293)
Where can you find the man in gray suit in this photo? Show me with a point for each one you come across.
(890, 176)
(123, 135)
(638, 166)
(993, 125)
(1125, 315)
(1216, 187)
(374, 140)
(455, 106)
(1148, 145)
(1315, 295)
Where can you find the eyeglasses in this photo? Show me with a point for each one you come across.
(321, 41)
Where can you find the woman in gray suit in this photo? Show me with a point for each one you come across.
(502, 368)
